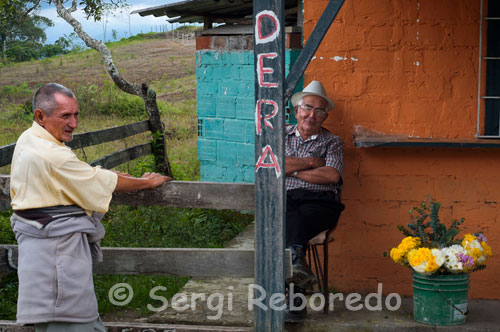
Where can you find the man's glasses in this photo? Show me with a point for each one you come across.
(317, 111)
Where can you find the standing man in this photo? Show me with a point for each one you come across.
(58, 201)
(314, 170)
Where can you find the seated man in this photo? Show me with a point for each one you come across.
(314, 170)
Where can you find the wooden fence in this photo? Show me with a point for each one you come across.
(194, 262)
(107, 135)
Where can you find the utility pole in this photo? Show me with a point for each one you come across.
(269, 57)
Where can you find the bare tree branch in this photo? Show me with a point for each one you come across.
(73, 6)
(147, 94)
(100, 47)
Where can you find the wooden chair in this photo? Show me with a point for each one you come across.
(322, 239)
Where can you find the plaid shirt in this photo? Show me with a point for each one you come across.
(324, 145)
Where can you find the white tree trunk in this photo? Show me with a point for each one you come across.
(142, 90)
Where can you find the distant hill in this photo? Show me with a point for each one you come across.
(149, 58)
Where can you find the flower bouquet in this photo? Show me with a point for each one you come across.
(431, 248)
(441, 264)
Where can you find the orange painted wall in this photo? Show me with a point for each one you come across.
(406, 67)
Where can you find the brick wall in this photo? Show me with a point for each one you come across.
(226, 106)
(405, 67)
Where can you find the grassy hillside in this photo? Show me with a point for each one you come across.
(169, 67)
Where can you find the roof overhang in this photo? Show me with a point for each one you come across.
(216, 11)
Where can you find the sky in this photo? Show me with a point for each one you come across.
(118, 21)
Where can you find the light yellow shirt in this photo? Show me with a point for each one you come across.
(45, 172)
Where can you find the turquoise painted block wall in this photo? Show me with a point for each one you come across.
(225, 108)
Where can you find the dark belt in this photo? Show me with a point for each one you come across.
(47, 214)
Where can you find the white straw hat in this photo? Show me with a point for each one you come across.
(315, 88)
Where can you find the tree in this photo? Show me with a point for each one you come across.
(95, 9)
(21, 27)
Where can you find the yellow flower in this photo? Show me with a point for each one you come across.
(486, 249)
(397, 255)
(425, 260)
(409, 243)
(468, 238)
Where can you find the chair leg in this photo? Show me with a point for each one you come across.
(317, 266)
(325, 275)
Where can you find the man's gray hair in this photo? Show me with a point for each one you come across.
(44, 97)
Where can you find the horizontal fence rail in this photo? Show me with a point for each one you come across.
(122, 156)
(87, 139)
(108, 135)
(6, 153)
(208, 195)
(192, 262)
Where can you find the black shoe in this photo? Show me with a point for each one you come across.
(302, 275)
(298, 311)
(295, 316)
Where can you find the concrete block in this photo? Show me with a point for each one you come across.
(206, 57)
(247, 73)
(246, 89)
(212, 172)
(240, 174)
(249, 58)
(234, 130)
(227, 153)
(229, 88)
(207, 150)
(235, 72)
(213, 128)
(219, 42)
(245, 108)
(203, 42)
(205, 73)
(246, 154)
(249, 174)
(204, 88)
(250, 132)
(225, 107)
(236, 42)
(221, 72)
(205, 106)
(240, 57)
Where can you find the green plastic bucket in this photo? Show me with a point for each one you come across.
(440, 299)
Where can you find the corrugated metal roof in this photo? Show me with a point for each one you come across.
(220, 11)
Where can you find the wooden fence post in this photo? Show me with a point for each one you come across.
(157, 128)
(269, 55)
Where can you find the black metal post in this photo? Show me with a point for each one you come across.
(269, 54)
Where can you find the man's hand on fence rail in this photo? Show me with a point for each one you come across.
(128, 183)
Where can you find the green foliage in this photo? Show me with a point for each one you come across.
(124, 105)
(190, 28)
(8, 295)
(6, 233)
(15, 91)
(440, 236)
(107, 99)
(19, 51)
(141, 285)
(154, 226)
(21, 28)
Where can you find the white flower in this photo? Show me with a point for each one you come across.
(452, 261)
(438, 256)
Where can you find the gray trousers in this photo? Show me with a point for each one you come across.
(95, 326)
